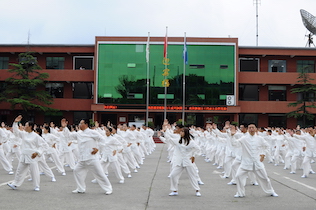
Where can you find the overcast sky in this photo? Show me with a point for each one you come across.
(79, 21)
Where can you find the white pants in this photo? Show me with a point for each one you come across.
(44, 167)
(57, 161)
(21, 173)
(228, 165)
(80, 174)
(123, 164)
(307, 165)
(176, 173)
(69, 159)
(4, 161)
(262, 177)
(115, 166)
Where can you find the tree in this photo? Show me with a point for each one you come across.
(26, 86)
(306, 102)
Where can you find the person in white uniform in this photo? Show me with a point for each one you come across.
(88, 159)
(31, 147)
(252, 156)
(3, 160)
(183, 158)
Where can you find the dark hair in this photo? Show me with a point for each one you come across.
(39, 131)
(252, 124)
(110, 129)
(86, 121)
(47, 128)
(187, 136)
(31, 124)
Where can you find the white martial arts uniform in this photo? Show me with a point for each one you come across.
(31, 143)
(181, 161)
(252, 148)
(87, 140)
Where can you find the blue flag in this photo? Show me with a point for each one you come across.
(185, 51)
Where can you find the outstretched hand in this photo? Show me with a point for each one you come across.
(18, 118)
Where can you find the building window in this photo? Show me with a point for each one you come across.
(248, 118)
(249, 64)
(83, 90)
(248, 93)
(55, 62)
(277, 66)
(4, 62)
(83, 62)
(308, 97)
(56, 90)
(197, 66)
(277, 93)
(78, 116)
(277, 120)
(305, 66)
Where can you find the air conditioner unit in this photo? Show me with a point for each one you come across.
(230, 100)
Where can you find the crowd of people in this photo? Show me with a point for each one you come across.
(238, 150)
(82, 148)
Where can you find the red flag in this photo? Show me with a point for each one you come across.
(165, 47)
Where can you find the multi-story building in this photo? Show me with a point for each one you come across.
(110, 81)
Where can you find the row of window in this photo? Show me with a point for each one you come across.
(276, 93)
(80, 62)
(252, 65)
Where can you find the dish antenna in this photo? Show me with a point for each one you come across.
(309, 22)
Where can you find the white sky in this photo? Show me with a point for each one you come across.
(79, 21)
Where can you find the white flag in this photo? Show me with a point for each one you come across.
(147, 49)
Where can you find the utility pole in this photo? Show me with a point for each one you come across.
(257, 2)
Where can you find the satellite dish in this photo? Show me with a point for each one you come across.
(309, 22)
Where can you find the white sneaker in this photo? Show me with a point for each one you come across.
(63, 173)
(42, 173)
(304, 176)
(173, 193)
(121, 181)
(37, 189)
(94, 181)
(135, 171)
(311, 172)
(255, 184)
(198, 194)
(129, 176)
(30, 179)
(11, 172)
(13, 187)
(274, 194)
(53, 179)
(219, 167)
(292, 172)
(108, 193)
(238, 196)
(76, 191)
(231, 183)
(200, 183)
(137, 166)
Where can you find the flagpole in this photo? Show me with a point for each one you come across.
(148, 84)
(165, 77)
(184, 65)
